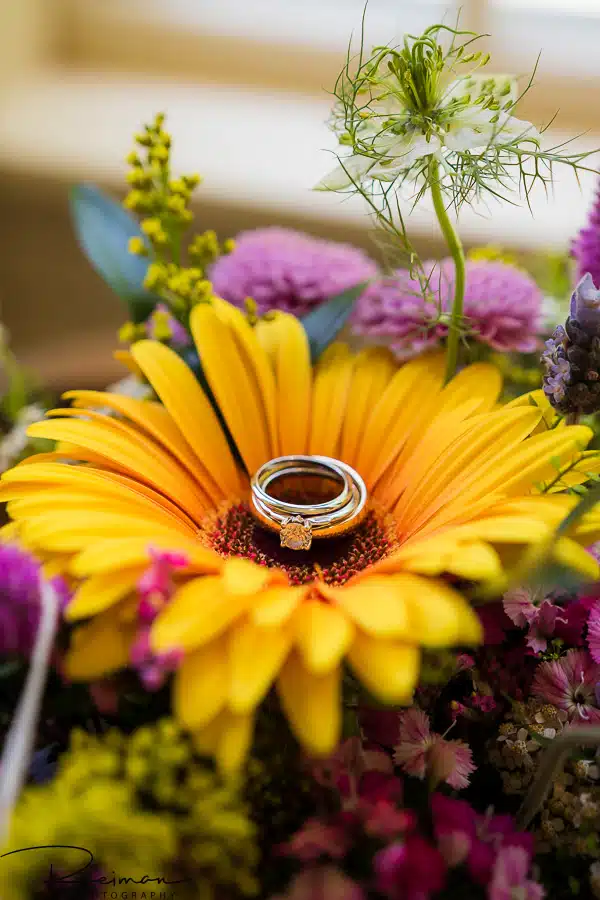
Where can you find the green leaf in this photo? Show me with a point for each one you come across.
(324, 323)
(103, 229)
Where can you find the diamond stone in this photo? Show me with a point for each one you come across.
(296, 533)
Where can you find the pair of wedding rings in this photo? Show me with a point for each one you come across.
(333, 498)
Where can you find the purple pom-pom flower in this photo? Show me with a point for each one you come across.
(20, 599)
(586, 246)
(502, 307)
(288, 270)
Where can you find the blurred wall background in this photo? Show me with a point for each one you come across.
(244, 87)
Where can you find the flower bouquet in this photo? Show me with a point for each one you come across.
(307, 606)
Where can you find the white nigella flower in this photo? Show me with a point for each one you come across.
(388, 135)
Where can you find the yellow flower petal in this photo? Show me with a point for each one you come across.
(98, 593)
(373, 370)
(483, 438)
(228, 738)
(200, 689)
(275, 605)
(178, 388)
(37, 477)
(200, 610)
(256, 656)
(312, 704)
(99, 647)
(118, 444)
(234, 743)
(323, 634)
(409, 397)
(389, 668)
(158, 423)
(375, 603)
(76, 528)
(473, 561)
(241, 576)
(440, 616)
(232, 384)
(480, 381)
(333, 374)
(570, 554)
(257, 363)
(107, 555)
(286, 343)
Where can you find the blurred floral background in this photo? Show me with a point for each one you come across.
(244, 86)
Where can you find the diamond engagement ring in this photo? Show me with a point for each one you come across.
(307, 497)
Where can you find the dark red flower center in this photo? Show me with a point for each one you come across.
(235, 532)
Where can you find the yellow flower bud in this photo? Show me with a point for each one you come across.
(159, 153)
(127, 333)
(132, 159)
(137, 247)
(161, 326)
(156, 276)
(228, 245)
(134, 200)
(151, 227)
(176, 204)
(177, 186)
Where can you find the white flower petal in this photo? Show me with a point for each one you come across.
(350, 169)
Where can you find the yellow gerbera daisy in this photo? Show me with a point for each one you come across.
(452, 480)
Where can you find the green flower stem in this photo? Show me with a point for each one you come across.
(457, 253)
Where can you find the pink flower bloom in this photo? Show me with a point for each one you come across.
(316, 839)
(509, 877)
(502, 306)
(519, 606)
(323, 883)
(464, 835)
(349, 768)
(524, 610)
(412, 870)
(421, 752)
(574, 617)
(384, 820)
(593, 633)
(156, 584)
(152, 668)
(414, 743)
(452, 762)
(570, 684)
(484, 702)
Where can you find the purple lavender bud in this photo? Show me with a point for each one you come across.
(571, 359)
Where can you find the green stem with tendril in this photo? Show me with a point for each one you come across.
(457, 253)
